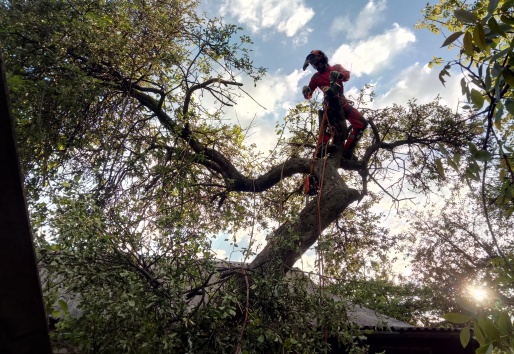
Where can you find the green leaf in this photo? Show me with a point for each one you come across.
(509, 105)
(468, 43)
(456, 317)
(493, 25)
(442, 149)
(505, 324)
(479, 334)
(465, 16)
(452, 38)
(483, 155)
(485, 349)
(498, 117)
(488, 81)
(507, 19)
(132, 303)
(493, 4)
(490, 329)
(472, 148)
(499, 54)
(63, 305)
(452, 164)
(477, 98)
(465, 336)
(479, 36)
(473, 166)
(472, 175)
(440, 167)
(464, 86)
(508, 76)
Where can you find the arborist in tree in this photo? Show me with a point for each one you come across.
(329, 79)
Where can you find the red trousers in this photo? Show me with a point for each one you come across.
(358, 125)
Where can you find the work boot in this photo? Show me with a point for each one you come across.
(323, 149)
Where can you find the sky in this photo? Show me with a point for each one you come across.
(374, 39)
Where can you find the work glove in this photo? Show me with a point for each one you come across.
(307, 93)
(334, 76)
(334, 86)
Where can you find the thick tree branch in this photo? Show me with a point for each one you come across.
(217, 161)
(286, 245)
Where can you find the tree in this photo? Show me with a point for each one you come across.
(482, 33)
(484, 57)
(129, 173)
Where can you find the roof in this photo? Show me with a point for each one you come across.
(367, 318)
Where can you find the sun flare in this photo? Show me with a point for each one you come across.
(478, 294)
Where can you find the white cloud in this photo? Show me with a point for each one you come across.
(276, 93)
(375, 54)
(422, 83)
(220, 253)
(260, 106)
(287, 16)
(368, 18)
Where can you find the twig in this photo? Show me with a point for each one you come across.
(204, 84)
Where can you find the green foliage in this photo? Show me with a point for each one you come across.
(130, 174)
(492, 333)
(70, 61)
(456, 317)
(482, 31)
(129, 301)
(485, 57)
(460, 252)
(122, 204)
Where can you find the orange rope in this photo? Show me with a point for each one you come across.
(321, 266)
(320, 254)
(321, 132)
(319, 142)
(320, 137)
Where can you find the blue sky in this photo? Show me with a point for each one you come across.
(374, 39)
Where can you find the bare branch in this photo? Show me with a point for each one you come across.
(206, 83)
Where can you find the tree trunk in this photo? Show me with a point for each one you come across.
(293, 238)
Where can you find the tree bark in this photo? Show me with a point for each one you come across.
(293, 238)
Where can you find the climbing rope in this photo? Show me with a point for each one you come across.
(312, 183)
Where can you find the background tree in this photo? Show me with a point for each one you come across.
(473, 240)
(130, 172)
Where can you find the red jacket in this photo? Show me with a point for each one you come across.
(322, 80)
